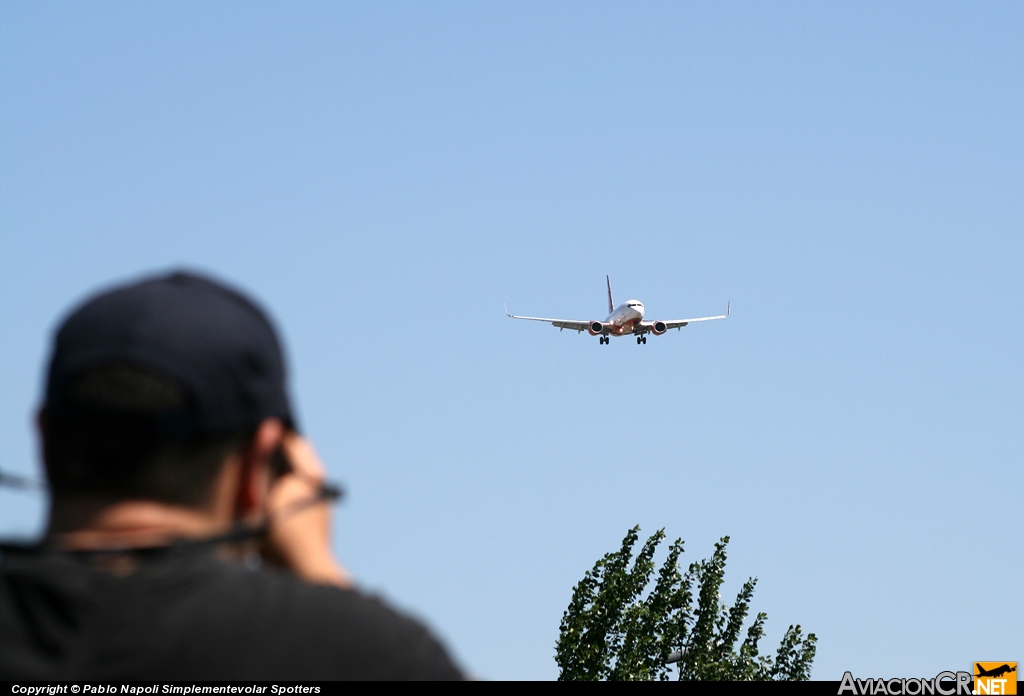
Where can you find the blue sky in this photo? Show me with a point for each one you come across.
(384, 176)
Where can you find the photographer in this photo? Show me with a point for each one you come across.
(188, 536)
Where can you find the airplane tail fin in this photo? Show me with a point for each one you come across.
(611, 305)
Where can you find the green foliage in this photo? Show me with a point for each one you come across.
(610, 631)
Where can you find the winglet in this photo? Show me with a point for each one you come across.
(611, 305)
(728, 308)
(506, 309)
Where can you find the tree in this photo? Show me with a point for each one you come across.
(610, 631)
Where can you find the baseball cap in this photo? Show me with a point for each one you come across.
(203, 335)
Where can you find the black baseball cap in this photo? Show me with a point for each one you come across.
(206, 337)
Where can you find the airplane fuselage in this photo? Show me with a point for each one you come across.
(624, 320)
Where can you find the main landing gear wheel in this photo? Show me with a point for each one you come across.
(638, 340)
(604, 339)
(645, 340)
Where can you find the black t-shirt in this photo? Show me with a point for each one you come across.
(182, 613)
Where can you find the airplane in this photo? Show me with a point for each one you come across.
(625, 320)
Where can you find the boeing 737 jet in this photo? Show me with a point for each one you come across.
(625, 320)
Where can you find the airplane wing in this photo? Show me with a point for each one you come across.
(560, 323)
(680, 323)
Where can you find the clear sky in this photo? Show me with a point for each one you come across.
(383, 176)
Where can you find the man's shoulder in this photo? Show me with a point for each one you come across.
(316, 629)
(198, 617)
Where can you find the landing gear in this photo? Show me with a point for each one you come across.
(604, 339)
(641, 339)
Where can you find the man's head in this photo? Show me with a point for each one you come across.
(152, 385)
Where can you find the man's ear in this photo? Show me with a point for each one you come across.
(256, 468)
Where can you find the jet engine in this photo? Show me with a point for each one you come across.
(658, 328)
(596, 328)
